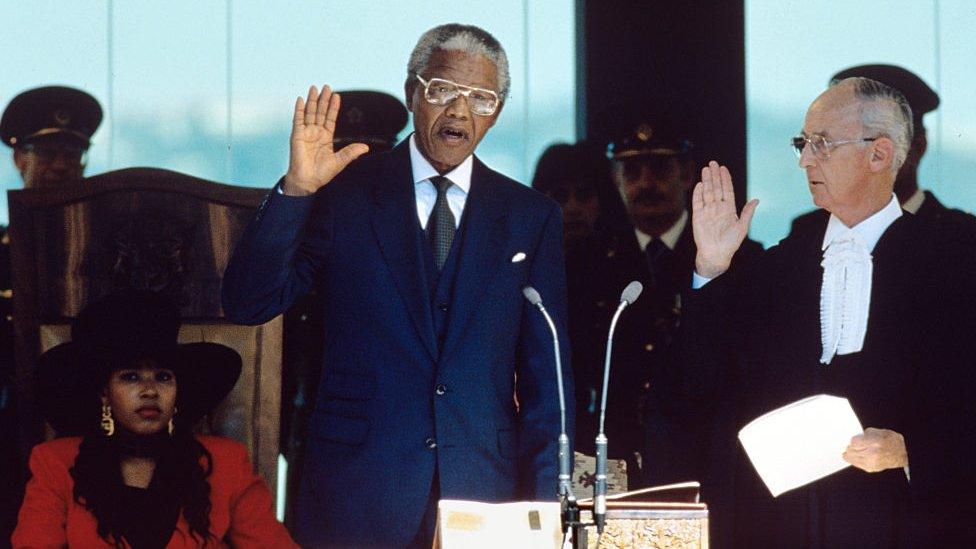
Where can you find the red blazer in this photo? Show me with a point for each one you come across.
(241, 514)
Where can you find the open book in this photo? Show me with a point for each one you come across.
(801, 442)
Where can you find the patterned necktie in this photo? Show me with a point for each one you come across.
(656, 253)
(441, 225)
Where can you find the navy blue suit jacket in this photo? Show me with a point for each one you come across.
(382, 423)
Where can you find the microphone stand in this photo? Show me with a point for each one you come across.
(628, 296)
(569, 507)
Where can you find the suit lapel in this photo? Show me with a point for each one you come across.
(483, 235)
(395, 223)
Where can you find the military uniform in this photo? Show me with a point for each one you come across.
(597, 272)
(46, 120)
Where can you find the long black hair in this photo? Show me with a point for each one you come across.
(182, 468)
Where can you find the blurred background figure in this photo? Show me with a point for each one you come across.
(376, 119)
(578, 178)
(922, 99)
(49, 130)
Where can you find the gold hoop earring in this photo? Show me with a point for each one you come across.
(171, 426)
(108, 424)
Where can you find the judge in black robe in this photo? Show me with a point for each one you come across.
(759, 337)
(750, 342)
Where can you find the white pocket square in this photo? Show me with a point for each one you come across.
(518, 257)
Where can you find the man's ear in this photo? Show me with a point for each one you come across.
(20, 160)
(882, 154)
(408, 86)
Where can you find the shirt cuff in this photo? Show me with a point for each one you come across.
(698, 281)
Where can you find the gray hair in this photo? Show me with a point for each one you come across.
(884, 112)
(456, 37)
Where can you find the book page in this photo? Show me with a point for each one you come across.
(801, 442)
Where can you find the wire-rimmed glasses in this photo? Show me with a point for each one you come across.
(820, 145)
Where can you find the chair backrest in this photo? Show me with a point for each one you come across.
(153, 229)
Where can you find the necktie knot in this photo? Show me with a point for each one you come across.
(441, 183)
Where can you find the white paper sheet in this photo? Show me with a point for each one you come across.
(800, 442)
(476, 525)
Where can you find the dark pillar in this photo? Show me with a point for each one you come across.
(692, 49)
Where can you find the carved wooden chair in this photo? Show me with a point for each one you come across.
(153, 229)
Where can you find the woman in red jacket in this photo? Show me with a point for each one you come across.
(138, 477)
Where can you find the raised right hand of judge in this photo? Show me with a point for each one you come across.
(312, 162)
(717, 229)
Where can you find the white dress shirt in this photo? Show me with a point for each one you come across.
(425, 191)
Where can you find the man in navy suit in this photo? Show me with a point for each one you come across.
(439, 378)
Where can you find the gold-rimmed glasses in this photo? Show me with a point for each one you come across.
(439, 91)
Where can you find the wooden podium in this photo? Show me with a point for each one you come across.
(661, 517)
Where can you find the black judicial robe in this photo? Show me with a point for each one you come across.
(751, 343)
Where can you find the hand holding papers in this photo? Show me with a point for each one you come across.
(800, 442)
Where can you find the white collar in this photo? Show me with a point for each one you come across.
(915, 202)
(422, 170)
(869, 230)
(669, 237)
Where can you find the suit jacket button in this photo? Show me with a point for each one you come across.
(430, 443)
(442, 306)
(440, 389)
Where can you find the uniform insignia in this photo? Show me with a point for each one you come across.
(62, 117)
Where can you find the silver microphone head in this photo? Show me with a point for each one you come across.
(632, 292)
(533, 296)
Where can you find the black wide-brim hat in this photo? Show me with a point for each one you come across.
(115, 332)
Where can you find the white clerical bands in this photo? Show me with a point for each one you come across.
(845, 297)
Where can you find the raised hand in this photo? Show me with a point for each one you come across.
(717, 229)
(313, 162)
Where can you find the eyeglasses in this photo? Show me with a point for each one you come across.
(68, 154)
(822, 146)
(438, 91)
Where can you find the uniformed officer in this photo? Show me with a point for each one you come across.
(49, 130)
(653, 169)
(370, 117)
(922, 99)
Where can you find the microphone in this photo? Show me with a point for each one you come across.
(565, 486)
(627, 297)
